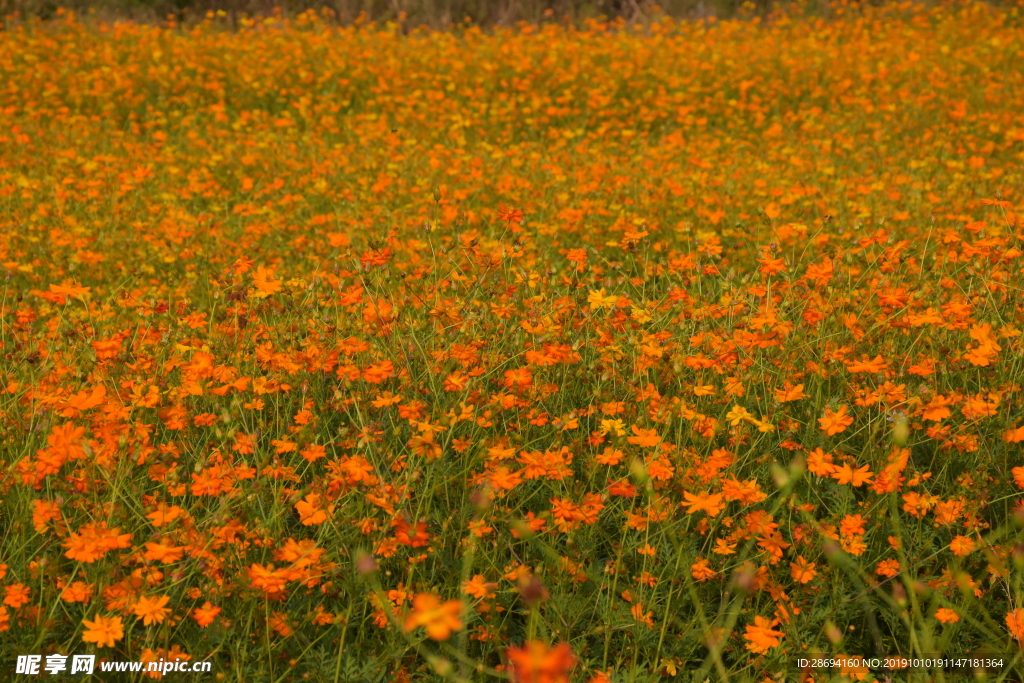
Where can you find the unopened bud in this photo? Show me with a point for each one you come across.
(442, 666)
(532, 591)
(901, 431)
(365, 564)
(780, 475)
(797, 466)
(1018, 555)
(899, 593)
(522, 529)
(481, 498)
(833, 633)
(745, 579)
(638, 469)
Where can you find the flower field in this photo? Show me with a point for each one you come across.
(671, 351)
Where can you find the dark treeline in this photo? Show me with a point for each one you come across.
(438, 14)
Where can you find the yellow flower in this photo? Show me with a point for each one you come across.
(640, 315)
(598, 300)
(737, 415)
(613, 427)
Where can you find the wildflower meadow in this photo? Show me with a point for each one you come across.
(591, 352)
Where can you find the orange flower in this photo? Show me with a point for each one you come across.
(379, 312)
(267, 579)
(278, 621)
(916, 504)
(79, 591)
(962, 546)
(707, 502)
(1015, 622)
(835, 422)
(386, 399)
(510, 214)
(479, 587)
(519, 378)
(888, 568)
(205, 615)
(612, 456)
(848, 475)
(946, 615)
(378, 372)
(852, 525)
(702, 571)
(936, 409)
(322, 617)
(456, 381)
(504, 480)
(152, 610)
(790, 393)
(440, 619)
(537, 663)
(310, 511)
(107, 348)
(265, 284)
(645, 438)
(645, 618)
(242, 265)
(313, 452)
(412, 535)
(802, 570)
(93, 541)
(577, 255)
(878, 364)
(165, 514)
(375, 257)
(158, 552)
(622, 487)
(61, 292)
(772, 266)
(820, 463)
(761, 635)
(84, 400)
(16, 595)
(1018, 476)
(104, 631)
(724, 547)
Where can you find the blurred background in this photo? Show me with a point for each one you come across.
(411, 14)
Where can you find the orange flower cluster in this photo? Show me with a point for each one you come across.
(308, 326)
